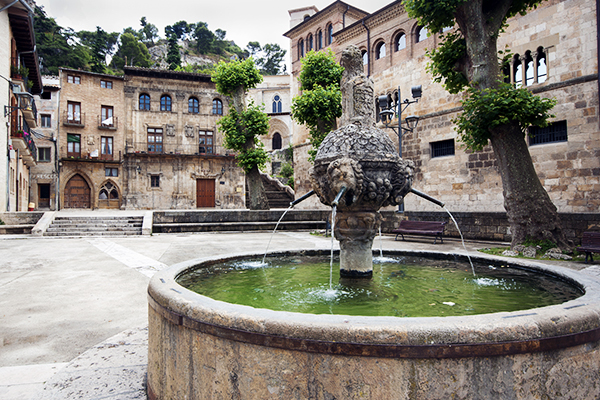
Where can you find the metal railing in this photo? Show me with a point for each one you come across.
(73, 120)
(111, 123)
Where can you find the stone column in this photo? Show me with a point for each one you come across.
(355, 230)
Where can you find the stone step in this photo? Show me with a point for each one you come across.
(107, 223)
(95, 226)
(80, 233)
(95, 229)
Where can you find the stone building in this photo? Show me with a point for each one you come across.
(174, 156)
(21, 79)
(555, 51)
(91, 139)
(44, 175)
(274, 93)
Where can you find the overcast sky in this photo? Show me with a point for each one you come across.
(264, 21)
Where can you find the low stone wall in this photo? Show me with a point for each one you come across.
(490, 225)
(21, 218)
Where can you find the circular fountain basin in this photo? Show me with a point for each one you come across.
(201, 348)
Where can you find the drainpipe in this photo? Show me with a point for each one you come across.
(369, 48)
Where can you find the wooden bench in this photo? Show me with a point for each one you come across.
(590, 243)
(427, 228)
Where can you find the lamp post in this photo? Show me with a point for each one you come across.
(411, 121)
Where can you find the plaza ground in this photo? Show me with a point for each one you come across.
(73, 311)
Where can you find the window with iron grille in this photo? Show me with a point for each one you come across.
(442, 148)
(554, 132)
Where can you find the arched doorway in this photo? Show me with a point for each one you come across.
(108, 196)
(77, 193)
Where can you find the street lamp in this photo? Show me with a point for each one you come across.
(387, 114)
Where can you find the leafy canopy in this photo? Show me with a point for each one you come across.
(321, 100)
(230, 76)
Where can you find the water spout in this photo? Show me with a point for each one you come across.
(427, 197)
(339, 196)
(299, 199)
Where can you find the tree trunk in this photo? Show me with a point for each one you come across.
(257, 197)
(531, 213)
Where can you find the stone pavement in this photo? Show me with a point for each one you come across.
(73, 311)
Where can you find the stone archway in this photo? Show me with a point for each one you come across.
(77, 193)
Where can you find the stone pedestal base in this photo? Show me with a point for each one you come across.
(355, 230)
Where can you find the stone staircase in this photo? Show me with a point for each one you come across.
(95, 226)
(278, 194)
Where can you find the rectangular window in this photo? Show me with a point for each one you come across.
(205, 139)
(155, 140)
(106, 147)
(106, 117)
(45, 121)
(111, 171)
(73, 145)
(154, 181)
(73, 112)
(46, 96)
(44, 154)
(74, 79)
(553, 133)
(106, 84)
(442, 148)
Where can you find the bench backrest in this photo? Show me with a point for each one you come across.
(590, 239)
(434, 226)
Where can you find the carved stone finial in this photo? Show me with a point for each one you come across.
(358, 105)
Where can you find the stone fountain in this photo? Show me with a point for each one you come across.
(357, 169)
(200, 348)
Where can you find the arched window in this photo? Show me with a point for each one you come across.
(529, 69)
(276, 141)
(365, 57)
(217, 107)
(165, 103)
(300, 48)
(193, 105)
(421, 33)
(144, 102)
(309, 42)
(380, 50)
(108, 191)
(277, 104)
(319, 40)
(329, 34)
(518, 71)
(400, 42)
(542, 68)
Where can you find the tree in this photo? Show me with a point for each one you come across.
(320, 103)
(243, 124)
(57, 46)
(204, 38)
(181, 29)
(131, 50)
(270, 63)
(101, 44)
(493, 111)
(173, 56)
(149, 32)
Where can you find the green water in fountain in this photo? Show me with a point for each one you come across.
(401, 287)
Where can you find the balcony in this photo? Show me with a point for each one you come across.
(29, 110)
(23, 141)
(171, 149)
(73, 120)
(111, 123)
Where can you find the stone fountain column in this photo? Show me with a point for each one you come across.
(362, 159)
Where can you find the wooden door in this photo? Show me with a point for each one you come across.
(77, 193)
(205, 193)
(43, 195)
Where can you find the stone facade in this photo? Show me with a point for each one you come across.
(561, 35)
(174, 156)
(91, 139)
(44, 175)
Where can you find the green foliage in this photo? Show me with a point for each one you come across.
(268, 58)
(445, 65)
(544, 245)
(490, 108)
(318, 109)
(242, 129)
(321, 100)
(101, 44)
(230, 76)
(435, 15)
(320, 69)
(133, 50)
(173, 56)
(149, 32)
(287, 171)
(204, 38)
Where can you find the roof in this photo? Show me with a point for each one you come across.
(79, 71)
(165, 73)
(327, 9)
(21, 24)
